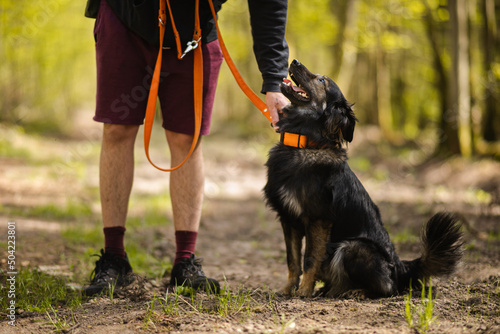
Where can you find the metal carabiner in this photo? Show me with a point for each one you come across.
(191, 45)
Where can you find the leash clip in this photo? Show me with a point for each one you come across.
(191, 45)
(162, 17)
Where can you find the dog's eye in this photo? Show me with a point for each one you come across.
(322, 80)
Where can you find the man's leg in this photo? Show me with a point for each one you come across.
(187, 182)
(116, 172)
(116, 176)
(186, 191)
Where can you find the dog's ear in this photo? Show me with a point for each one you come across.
(340, 121)
(348, 123)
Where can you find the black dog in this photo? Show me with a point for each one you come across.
(316, 195)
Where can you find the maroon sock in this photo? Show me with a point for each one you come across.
(113, 240)
(185, 243)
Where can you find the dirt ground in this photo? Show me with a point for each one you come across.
(242, 246)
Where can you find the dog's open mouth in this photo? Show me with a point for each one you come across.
(298, 91)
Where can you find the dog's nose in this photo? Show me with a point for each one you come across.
(295, 62)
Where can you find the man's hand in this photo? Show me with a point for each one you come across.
(275, 101)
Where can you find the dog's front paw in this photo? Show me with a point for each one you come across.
(288, 290)
(305, 292)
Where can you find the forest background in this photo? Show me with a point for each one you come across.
(425, 71)
(424, 79)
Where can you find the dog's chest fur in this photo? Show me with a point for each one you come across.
(298, 178)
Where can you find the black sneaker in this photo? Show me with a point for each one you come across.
(110, 272)
(188, 273)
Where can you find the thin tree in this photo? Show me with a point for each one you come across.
(447, 132)
(491, 117)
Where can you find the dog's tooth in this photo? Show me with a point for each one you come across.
(303, 94)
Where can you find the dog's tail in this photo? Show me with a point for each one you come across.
(442, 242)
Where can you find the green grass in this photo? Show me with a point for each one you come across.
(38, 292)
(150, 218)
(184, 300)
(145, 263)
(72, 210)
(409, 309)
(153, 211)
(149, 312)
(420, 316)
(7, 149)
(170, 304)
(284, 324)
(405, 236)
(61, 324)
(90, 236)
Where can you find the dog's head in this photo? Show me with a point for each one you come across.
(317, 107)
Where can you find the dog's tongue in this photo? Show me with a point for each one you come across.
(290, 83)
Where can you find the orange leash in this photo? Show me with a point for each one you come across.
(237, 76)
(197, 83)
(195, 45)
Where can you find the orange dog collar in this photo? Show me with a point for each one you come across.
(294, 139)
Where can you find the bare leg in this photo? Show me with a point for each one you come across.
(116, 172)
(186, 183)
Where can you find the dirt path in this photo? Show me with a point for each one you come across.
(243, 246)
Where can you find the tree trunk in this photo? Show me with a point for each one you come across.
(491, 119)
(460, 74)
(385, 120)
(344, 51)
(448, 136)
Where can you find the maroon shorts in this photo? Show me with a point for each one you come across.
(125, 65)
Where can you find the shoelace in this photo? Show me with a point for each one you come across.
(192, 267)
(99, 273)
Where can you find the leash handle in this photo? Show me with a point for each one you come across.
(197, 84)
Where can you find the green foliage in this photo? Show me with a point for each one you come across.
(478, 196)
(48, 63)
(47, 69)
(310, 18)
